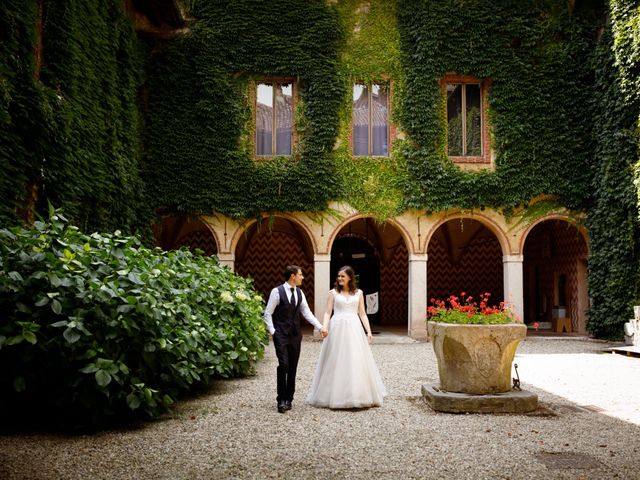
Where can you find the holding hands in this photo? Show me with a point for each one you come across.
(324, 332)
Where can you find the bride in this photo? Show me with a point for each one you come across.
(346, 375)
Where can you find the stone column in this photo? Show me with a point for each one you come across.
(513, 284)
(227, 259)
(322, 273)
(418, 296)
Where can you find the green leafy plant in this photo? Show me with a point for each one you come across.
(99, 327)
(71, 123)
(613, 222)
(464, 310)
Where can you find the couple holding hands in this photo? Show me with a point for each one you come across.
(346, 374)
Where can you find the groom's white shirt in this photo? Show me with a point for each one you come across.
(274, 301)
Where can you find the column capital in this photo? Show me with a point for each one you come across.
(418, 257)
(321, 257)
(226, 257)
(512, 258)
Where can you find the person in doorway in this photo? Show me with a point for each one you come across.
(286, 305)
(346, 375)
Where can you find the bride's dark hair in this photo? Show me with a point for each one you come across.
(352, 279)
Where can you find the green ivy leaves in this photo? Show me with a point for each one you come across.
(71, 129)
(199, 124)
(538, 131)
(613, 222)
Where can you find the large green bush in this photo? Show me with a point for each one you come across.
(98, 326)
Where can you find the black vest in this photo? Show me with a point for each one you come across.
(286, 318)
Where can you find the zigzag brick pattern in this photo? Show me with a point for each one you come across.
(201, 239)
(553, 248)
(268, 255)
(394, 287)
(479, 271)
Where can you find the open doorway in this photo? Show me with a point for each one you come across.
(555, 277)
(365, 261)
(378, 254)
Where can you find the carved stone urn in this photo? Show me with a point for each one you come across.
(475, 359)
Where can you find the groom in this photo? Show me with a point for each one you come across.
(282, 315)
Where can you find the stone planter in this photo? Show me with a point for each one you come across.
(475, 359)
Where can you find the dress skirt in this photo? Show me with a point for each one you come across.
(346, 375)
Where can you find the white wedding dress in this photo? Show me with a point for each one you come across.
(346, 375)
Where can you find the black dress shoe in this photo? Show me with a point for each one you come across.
(287, 404)
(282, 407)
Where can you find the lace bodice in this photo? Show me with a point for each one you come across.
(346, 305)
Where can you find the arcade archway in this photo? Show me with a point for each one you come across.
(464, 256)
(264, 250)
(379, 255)
(555, 276)
(176, 232)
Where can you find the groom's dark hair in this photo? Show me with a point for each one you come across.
(290, 270)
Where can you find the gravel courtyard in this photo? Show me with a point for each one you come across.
(587, 427)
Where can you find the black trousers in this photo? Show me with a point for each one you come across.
(288, 353)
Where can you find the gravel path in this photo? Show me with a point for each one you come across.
(587, 427)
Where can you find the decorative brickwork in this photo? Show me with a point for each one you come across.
(479, 270)
(201, 239)
(267, 256)
(394, 287)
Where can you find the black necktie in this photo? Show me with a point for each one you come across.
(293, 297)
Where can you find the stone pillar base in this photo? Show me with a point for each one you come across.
(513, 401)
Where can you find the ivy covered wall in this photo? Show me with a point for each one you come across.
(70, 73)
(22, 106)
(370, 53)
(537, 57)
(614, 221)
(198, 143)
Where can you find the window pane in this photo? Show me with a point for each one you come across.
(474, 123)
(284, 118)
(454, 119)
(264, 119)
(379, 122)
(360, 120)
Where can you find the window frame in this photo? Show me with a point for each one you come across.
(485, 84)
(254, 100)
(390, 130)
